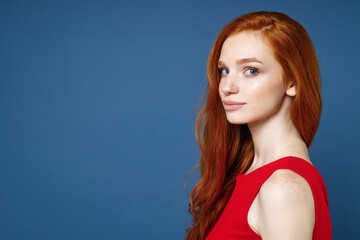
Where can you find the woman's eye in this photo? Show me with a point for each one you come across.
(223, 71)
(251, 71)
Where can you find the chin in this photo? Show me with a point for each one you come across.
(236, 119)
(237, 122)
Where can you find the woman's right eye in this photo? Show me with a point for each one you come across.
(223, 71)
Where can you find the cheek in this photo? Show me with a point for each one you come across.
(266, 97)
(219, 88)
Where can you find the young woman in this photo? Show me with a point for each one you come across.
(262, 110)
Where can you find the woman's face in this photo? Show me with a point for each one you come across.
(251, 86)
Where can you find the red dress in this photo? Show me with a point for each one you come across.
(232, 223)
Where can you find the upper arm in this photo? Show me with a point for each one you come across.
(286, 207)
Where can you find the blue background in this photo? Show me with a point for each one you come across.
(98, 102)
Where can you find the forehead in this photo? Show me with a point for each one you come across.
(247, 44)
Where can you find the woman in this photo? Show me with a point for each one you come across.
(261, 113)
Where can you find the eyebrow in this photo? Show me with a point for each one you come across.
(243, 60)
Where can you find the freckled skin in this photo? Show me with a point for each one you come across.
(262, 92)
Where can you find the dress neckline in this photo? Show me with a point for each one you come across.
(275, 161)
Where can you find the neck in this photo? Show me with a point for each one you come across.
(276, 137)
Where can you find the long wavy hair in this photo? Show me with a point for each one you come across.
(226, 149)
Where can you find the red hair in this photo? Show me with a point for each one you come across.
(226, 149)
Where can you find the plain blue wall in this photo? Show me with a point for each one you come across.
(98, 101)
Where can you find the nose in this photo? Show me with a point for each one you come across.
(229, 85)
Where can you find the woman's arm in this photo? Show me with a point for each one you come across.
(286, 207)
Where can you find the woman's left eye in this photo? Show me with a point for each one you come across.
(251, 71)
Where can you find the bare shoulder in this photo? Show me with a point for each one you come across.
(287, 183)
(286, 207)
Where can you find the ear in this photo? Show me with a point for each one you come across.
(291, 90)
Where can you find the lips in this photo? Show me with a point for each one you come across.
(232, 105)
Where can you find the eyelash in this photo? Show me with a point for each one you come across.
(255, 69)
(221, 69)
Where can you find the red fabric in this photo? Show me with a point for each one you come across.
(232, 223)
